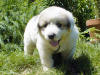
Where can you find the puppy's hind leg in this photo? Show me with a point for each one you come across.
(29, 48)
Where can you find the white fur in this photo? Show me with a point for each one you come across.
(34, 38)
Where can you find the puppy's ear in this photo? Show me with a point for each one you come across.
(68, 24)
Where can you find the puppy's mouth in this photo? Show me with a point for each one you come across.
(54, 43)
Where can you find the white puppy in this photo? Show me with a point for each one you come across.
(52, 31)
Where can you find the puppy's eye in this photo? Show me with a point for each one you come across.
(45, 25)
(59, 25)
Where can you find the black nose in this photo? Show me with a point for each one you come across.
(51, 36)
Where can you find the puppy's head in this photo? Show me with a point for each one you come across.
(54, 23)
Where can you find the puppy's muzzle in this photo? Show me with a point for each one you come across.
(53, 42)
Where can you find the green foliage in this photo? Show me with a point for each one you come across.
(12, 21)
(14, 15)
(93, 29)
(97, 2)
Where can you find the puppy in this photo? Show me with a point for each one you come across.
(52, 31)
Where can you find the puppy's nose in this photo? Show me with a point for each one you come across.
(51, 36)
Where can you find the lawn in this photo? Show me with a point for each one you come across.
(86, 61)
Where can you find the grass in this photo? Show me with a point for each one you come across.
(86, 61)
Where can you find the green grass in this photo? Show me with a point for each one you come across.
(86, 61)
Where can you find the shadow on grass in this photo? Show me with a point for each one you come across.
(79, 66)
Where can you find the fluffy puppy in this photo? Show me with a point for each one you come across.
(52, 31)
